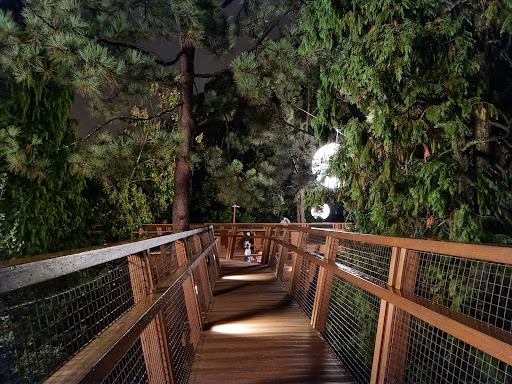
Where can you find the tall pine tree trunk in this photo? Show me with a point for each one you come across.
(186, 126)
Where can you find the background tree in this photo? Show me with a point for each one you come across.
(427, 150)
(135, 168)
(101, 49)
(42, 209)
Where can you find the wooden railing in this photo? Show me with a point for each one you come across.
(399, 310)
(230, 235)
(126, 313)
(394, 310)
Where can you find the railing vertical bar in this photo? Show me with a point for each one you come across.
(324, 285)
(231, 243)
(266, 245)
(280, 254)
(142, 285)
(297, 262)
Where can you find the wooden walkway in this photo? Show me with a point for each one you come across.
(256, 334)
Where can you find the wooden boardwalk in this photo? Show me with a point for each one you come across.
(256, 334)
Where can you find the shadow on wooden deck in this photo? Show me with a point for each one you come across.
(255, 333)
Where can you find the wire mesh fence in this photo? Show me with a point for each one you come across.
(305, 291)
(131, 368)
(182, 328)
(315, 244)
(164, 263)
(479, 289)
(433, 356)
(42, 326)
(285, 268)
(352, 327)
(370, 259)
(273, 255)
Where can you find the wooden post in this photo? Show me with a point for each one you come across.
(181, 253)
(280, 252)
(215, 254)
(156, 354)
(193, 310)
(266, 245)
(297, 262)
(392, 338)
(323, 288)
(231, 243)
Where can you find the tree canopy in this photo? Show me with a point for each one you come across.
(426, 152)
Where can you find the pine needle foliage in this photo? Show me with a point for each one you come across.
(135, 169)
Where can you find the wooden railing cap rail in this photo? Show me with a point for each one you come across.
(19, 273)
(493, 253)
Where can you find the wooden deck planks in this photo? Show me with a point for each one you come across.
(256, 334)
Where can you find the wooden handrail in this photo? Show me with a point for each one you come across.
(492, 253)
(396, 293)
(93, 363)
(492, 340)
(19, 273)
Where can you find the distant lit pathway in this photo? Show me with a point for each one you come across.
(256, 334)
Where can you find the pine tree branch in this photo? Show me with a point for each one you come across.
(499, 125)
(298, 129)
(271, 27)
(484, 140)
(157, 59)
(214, 74)
(266, 32)
(203, 122)
(125, 119)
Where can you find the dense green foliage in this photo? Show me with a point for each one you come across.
(135, 169)
(427, 152)
(104, 50)
(41, 207)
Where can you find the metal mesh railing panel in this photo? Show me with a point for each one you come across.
(39, 331)
(203, 287)
(179, 335)
(305, 290)
(315, 244)
(479, 289)
(351, 327)
(190, 246)
(131, 368)
(273, 255)
(371, 259)
(434, 356)
(163, 262)
(285, 269)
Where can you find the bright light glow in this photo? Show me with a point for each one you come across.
(320, 164)
(197, 293)
(233, 328)
(255, 277)
(321, 211)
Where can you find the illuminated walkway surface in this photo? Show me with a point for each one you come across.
(256, 334)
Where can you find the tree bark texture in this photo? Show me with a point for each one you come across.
(187, 127)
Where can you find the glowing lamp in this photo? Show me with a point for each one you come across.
(320, 164)
(321, 212)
